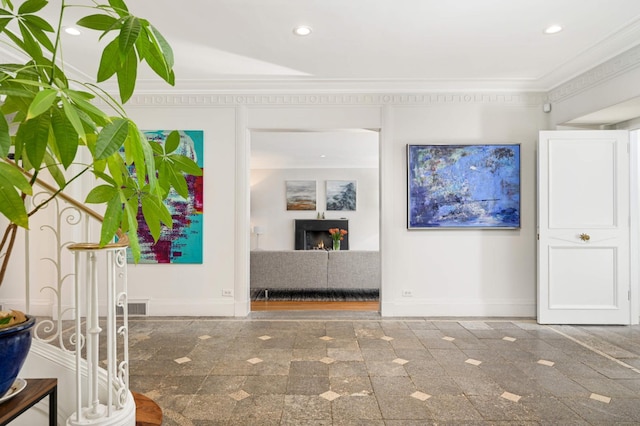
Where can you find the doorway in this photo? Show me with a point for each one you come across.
(323, 163)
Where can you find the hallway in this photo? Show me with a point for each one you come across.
(339, 368)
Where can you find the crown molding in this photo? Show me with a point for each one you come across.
(341, 99)
(619, 64)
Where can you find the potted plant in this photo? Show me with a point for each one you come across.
(48, 118)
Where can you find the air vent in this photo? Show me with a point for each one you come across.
(137, 309)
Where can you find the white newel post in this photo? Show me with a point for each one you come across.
(102, 400)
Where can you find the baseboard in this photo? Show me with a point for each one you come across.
(459, 308)
(192, 307)
(39, 308)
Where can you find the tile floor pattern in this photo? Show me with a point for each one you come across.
(282, 370)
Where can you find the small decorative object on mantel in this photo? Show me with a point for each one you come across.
(337, 235)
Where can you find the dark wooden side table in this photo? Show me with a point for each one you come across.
(33, 393)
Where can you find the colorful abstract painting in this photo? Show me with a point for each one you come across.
(301, 194)
(463, 186)
(182, 243)
(341, 195)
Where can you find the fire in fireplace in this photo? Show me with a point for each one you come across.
(313, 234)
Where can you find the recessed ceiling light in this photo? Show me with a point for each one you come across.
(302, 30)
(553, 29)
(72, 31)
(322, 156)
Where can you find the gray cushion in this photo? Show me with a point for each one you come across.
(354, 269)
(289, 269)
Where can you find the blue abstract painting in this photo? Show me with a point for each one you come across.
(463, 186)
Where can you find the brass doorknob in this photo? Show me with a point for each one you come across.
(585, 237)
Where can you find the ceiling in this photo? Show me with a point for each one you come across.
(375, 44)
(367, 45)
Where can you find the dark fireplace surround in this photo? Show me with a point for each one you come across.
(311, 234)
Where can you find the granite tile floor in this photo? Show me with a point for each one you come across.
(360, 369)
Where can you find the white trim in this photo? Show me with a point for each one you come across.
(191, 308)
(634, 230)
(460, 308)
(413, 98)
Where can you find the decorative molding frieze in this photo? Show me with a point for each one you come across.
(340, 99)
(597, 75)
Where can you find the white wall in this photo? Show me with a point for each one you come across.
(268, 206)
(459, 272)
(462, 272)
(196, 289)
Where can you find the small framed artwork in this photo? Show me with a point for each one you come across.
(463, 186)
(301, 194)
(341, 195)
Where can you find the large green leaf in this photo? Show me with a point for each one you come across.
(120, 7)
(111, 138)
(31, 6)
(150, 165)
(150, 51)
(80, 99)
(11, 204)
(167, 52)
(42, 102)
(5, 137)
(54, 170)
(35, 136)
(15, 178)
(98, 22)
(128, 35)
(112, 219)
(105, 177)
(127, 75)
(178, 182)
(37, 21)
(116, 168)
(186, 165)
(74, 118)
(33, 23)
(101, 194)
(109, 62)
(131, 214)
(135, 154)
(172, 142)
(151, 217)
(66, 137)
(3, 23)
(31, 46)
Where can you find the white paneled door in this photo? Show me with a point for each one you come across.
(583, 227)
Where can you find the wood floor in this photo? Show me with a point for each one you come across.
(314, 306)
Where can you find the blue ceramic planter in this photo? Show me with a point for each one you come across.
(14, 346)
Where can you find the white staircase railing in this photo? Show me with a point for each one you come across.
(89, 290)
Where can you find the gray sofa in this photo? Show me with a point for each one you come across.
(315, 269)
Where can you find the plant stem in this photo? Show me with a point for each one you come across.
(10, 237)
(55, 194)
(55, 47)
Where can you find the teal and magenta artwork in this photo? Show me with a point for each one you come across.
(463, 186)
(183, 243)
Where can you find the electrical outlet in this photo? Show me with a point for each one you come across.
(407, 293)
(227, 292)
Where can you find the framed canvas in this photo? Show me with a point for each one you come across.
(301, 194)
(183, 243)
(341, 195)
(463, 186)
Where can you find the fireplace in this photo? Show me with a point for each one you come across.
(313, 234)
